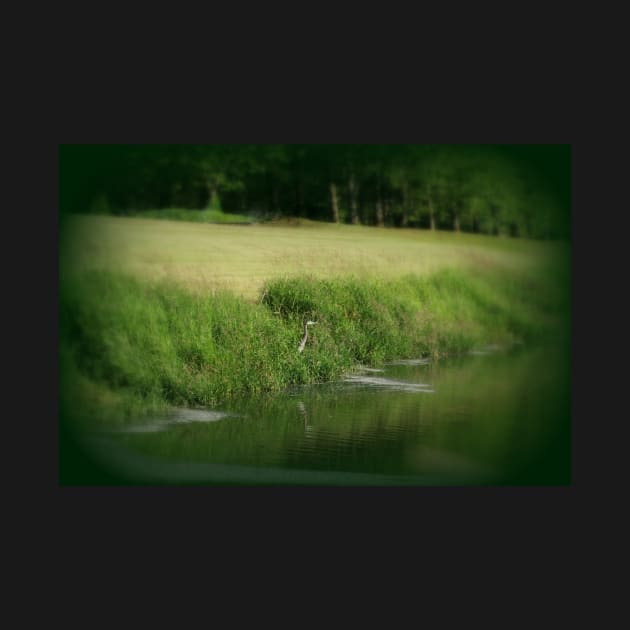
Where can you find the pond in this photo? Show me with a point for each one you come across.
(492, 417)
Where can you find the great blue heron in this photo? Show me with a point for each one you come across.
(303, 342)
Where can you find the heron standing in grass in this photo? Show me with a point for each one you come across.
(303, 342)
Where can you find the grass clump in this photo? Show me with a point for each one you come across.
(448, 312)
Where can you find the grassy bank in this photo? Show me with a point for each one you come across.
(130, 345)
(156, 313)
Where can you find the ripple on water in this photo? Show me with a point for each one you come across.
(176, 417)
(379, 382)
(425, 361)
(198, 415)
(489, 349)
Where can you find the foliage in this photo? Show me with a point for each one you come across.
(210, 215)
(517, 190)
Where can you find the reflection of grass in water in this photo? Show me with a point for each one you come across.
(263, 436)
(126, 343)
(498, 415)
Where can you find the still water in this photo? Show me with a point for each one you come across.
(493, 417)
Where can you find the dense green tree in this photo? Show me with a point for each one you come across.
(489, 189)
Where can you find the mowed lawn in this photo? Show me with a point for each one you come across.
(242, 257)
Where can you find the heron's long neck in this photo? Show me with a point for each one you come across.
(305, 330)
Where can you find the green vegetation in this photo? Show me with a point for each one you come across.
(516, 190)
(187, 273)
(136, 344)
(196, 216)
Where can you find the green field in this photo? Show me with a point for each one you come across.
(156, 312)
(242, 258)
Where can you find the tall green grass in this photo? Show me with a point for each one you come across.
(129, 346)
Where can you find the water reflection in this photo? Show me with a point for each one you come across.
(302, 410)
(490, 418)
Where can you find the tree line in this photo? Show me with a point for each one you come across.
(489, 189)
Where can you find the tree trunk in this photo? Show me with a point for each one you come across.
(300, 197)
(431, 213)
(405, 205)
(495, 223)
(334, 202)
(354, 207)
(457, 212)
(176, 189)
(380, 214)
(213, 196)
(380, 219)
(275, 196)
(274, 205)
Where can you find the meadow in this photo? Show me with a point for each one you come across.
(155, 313)
(202, 257)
